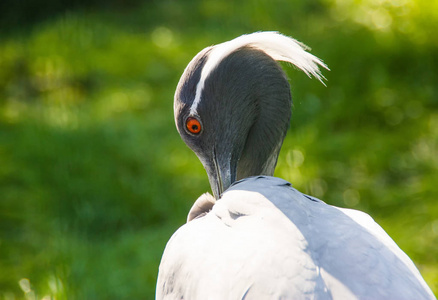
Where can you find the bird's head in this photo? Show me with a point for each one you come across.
(233, 105)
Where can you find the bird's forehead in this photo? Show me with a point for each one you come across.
(215, 56)
(190, 78)
(200, 70)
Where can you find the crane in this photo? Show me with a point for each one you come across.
(257, 237)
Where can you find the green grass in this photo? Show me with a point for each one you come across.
(94, 178)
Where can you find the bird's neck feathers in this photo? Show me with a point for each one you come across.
(270, 105)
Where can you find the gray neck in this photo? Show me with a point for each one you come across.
(265, 137)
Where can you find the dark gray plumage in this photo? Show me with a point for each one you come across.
(259, 238)
(240, 100)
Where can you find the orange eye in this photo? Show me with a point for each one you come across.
(193, 125)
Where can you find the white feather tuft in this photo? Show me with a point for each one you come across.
(274, 44)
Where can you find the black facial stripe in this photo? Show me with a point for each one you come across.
(192, 76)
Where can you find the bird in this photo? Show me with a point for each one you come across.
(257, 237)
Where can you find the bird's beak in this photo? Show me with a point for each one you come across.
(220, 174)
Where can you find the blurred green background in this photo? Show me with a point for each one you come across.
(94, 177)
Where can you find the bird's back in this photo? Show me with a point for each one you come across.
(265, 240)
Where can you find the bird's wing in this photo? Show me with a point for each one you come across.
(231, 253)
(265, 240)
(201, 206)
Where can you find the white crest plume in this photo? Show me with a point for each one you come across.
(274, 44)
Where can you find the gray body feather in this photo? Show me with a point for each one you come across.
(265, 240)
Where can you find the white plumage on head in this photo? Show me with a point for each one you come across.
(274, 44)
